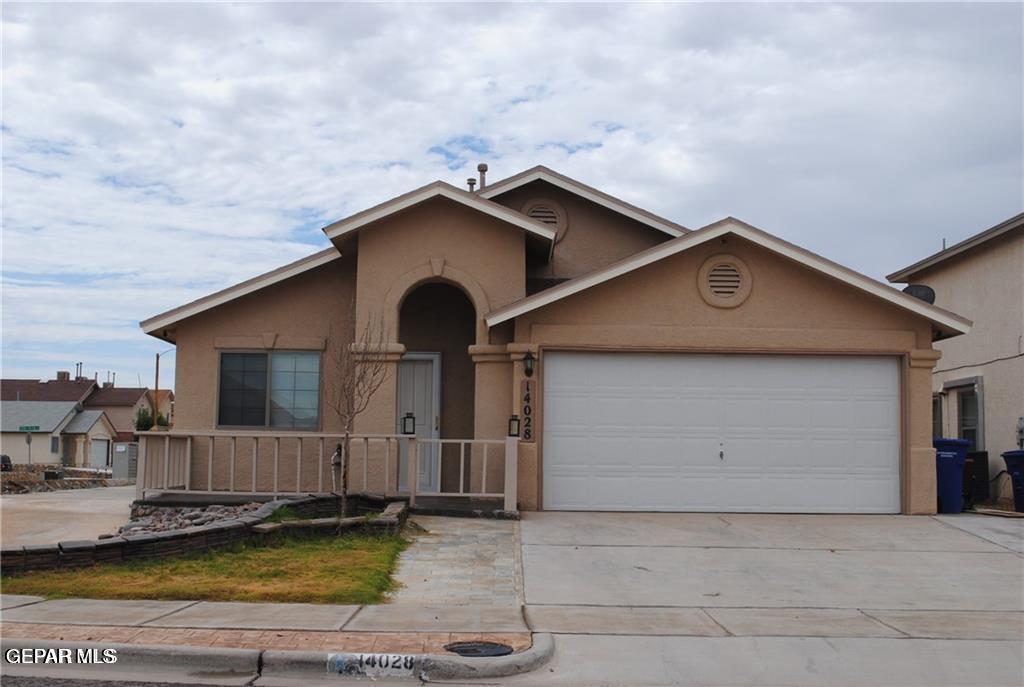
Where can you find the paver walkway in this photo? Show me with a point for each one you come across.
(466, 561)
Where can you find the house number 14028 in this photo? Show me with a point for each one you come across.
(526, 412)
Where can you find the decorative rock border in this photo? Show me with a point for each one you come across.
(82, 553)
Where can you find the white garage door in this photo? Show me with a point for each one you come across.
(99, 450)
(667, 432)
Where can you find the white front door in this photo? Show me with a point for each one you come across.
(761, 433)
(419, 393)
(98, 451)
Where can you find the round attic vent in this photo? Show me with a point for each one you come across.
(548, 212)
(724, 280)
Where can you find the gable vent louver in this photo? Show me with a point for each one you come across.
(724, 280)
(545, 214)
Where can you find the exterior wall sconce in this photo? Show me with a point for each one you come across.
(409, 424)
(529, 363)
(513, 426)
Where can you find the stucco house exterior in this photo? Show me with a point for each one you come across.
(647, 366)
(120, 405)
(978, 386)
(67, 433)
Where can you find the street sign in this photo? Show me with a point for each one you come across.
(28, 428)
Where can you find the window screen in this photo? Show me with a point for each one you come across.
(294, 389)
(243, 390)
(936, 416)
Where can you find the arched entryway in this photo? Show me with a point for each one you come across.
(437, 325)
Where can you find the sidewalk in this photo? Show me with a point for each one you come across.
(388, 628)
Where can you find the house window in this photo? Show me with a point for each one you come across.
(294, 389)
(936, 415)
(278, 389)
(54, 444)
(968, 407)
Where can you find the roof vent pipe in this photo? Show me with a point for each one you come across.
(482, 168)
(471, 182)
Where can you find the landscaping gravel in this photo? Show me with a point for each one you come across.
(164, 519)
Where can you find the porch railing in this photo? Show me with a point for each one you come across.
(274, 464)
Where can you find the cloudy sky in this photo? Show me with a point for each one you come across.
(155, 153)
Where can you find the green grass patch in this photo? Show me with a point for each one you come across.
(349, 569)
(287, 513)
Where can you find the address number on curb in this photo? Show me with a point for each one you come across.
(373, 665)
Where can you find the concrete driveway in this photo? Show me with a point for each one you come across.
(708, 599)
(53, 516)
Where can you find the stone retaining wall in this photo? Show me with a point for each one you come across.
(82, 553)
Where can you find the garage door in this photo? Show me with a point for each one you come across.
(666, 432)
(98, 453)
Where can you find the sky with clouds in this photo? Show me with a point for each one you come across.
(155, 153)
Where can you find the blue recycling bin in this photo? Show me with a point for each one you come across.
(1015, 468)
(950, 455)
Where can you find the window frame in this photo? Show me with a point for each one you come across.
(976, 386)
(937, 407)
(266, 426)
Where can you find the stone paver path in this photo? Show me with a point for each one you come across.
(470, 561)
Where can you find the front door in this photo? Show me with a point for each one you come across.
(419, 393)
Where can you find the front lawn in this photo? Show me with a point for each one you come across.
(349, 569)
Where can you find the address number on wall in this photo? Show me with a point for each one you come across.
(526, 410)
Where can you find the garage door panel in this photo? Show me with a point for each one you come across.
(644, 431)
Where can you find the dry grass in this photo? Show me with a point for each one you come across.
(351, 569)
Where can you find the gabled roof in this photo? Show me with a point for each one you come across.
(84, 421)
(948, 323)
(438, 189)
(542, 173)
(47, 415)
(51, 390)
(115, 396)
(905, 274)
(165, 394)
(155, 324)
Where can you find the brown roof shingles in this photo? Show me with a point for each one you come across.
(52, 390)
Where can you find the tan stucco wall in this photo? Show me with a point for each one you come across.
(13, 444)
(437, 241)
(596, 236)
(287, 315)
(985, 285)
(790, 310)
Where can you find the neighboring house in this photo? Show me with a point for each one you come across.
(121, 404)
(165, 406)
(63, 388)
(978, 385)
(659, 368)
(67, 434)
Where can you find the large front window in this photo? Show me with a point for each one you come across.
(279, 389)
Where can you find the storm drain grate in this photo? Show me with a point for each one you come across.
(478, 649)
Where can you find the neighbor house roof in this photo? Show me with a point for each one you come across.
(541, 173)
(84, 421)
(1006, 226)
(115, 396)
(948, 323)
(52, 390)
(48, 415)
(165, 394)
(155, 324)
(438, 189)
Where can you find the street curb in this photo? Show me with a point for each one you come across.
(426, 667)
(209, 664)
(241, 666)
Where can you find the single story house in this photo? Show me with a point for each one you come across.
(978, 387)
(647, 366)
(120, 404)
(62, 433)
